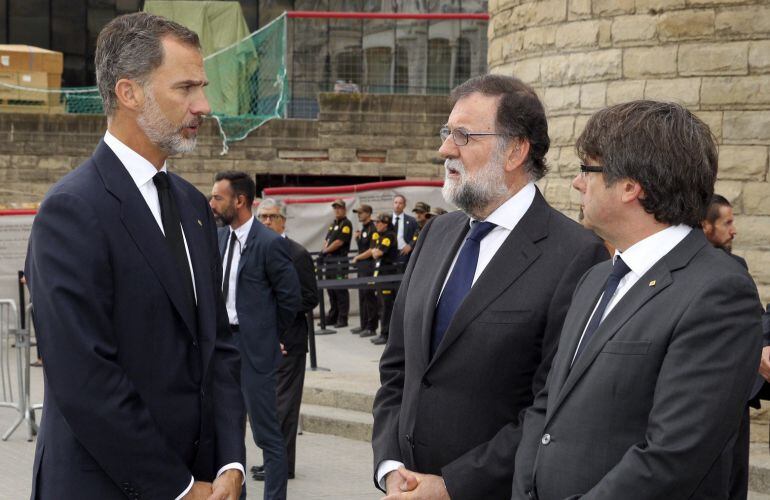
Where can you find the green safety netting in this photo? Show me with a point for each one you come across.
(247, 78)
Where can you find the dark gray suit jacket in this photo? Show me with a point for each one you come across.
(267, 296)
(457, 414)
(651, 407)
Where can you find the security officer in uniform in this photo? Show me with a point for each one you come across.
(367, 298)
(385, 252)
(422, 214)
(334, 253)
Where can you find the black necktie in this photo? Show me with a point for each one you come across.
(226, 281)
(169, 215)
(619, 269)
(459, 283)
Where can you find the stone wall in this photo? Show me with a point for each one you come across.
(711, 55)
(357, 135)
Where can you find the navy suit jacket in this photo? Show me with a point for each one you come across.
(410, 227)
(267, 296)
(141, 387)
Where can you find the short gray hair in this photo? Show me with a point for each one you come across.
(130, 46)
(271, 203)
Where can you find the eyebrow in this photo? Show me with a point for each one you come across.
(192, 83)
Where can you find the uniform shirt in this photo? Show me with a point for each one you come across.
(387, 243)
(340, 229)
(364, 241)
(416, 235)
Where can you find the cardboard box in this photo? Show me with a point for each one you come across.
(28, 58)
(5, 92)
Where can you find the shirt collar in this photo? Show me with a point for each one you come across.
(642, 255)
(140, 170)
(510, 213)
(243, 231)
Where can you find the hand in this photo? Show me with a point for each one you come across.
(200, 491)
(764, 363)
(406, 250)
(283, 349)
(227, 486)
(357, 234)
(416, 486)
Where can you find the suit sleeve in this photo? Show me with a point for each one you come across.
(387, 402)
(229, 410)
(303, 263)
(701, 391)
(283, 282)
(70, 279)
(486, 471)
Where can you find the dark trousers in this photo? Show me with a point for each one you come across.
(339, 306)
(291, 380)
(259, 394)
(387, 296)
(739, 475)
(367, 298)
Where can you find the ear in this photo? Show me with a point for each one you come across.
(130, 94)
(518, 152)
(631, 190)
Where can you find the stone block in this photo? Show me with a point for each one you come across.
(538, 13)
(658, 6)
(747, 21)
(649, 62)
(558, 192)
(593, 95)
(54, 162)
(685, 91)
(746, 127)
(742, 162)
(387, 170)
(731, 190)
(714, 120)
(714, 58)
(527, 70)
(22, 162)
(580, 124)
(342, 154)
(577, 34)
(561, 129)
(612, 7)
(538, 38)
(738, 90)
(753, 231)
(756, 200)
(685, 24)
(561, 98)
(581, 67)
(579, 9)
(634, 29)
(566, 163)
(624, 91)
(262, 154)
(758, 261)
(425, 171)
(759, 56)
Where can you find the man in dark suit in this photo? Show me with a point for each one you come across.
(262, 297)
(142, 395)
(477, 316)
(404, 225)
(660, 345)
(291, 372)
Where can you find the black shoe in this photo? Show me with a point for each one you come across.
(291, 475)
(257, 468)
(340, 324)
(380, 340)
(357, 329)
(260, 475)
(366, 333)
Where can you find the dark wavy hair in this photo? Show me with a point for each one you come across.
(668, 150)
(520, 114)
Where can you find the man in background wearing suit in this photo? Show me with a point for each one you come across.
(142, 397)
(404, 225)
(480, 307)
(291, 372)
(262, 295)
(660, 345)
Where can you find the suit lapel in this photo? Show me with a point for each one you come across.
(516, 254)
(249, 246)
(141, 225)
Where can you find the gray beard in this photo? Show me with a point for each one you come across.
(474, 194)
(160, 130)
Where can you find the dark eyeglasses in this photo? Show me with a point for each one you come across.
(460, 136)
(272, 217)
(584, 169)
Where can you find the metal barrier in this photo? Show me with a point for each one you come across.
(12, 337)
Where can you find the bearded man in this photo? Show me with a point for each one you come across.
(142, 393)
(479, 311)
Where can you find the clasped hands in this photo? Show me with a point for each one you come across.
(226, 487)
(403, 484)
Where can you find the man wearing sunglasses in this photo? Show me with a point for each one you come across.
(481, 305)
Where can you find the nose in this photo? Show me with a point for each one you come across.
(579, 182)
(211, 204)
(448, 148)
(201, 104)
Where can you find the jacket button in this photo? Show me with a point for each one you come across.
(426, 383)
(545, 439)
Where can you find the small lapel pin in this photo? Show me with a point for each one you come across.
(652, 283)
(200, 223)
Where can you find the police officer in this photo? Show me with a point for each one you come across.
(367, 298)
(385, 252)
(334, 252)
(422, 213)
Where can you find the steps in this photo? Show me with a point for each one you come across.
(338, 407)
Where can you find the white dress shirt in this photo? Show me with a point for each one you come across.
(400, 241)
(142, 172)
(242, 233)
(640, 257)
(506, 216)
